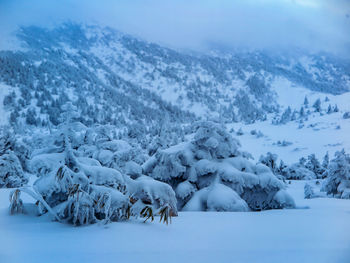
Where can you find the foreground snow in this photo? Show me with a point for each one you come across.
(318, 234)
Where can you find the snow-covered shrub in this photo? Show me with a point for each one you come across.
(314, 165)
(11, 172)
(338, 181)
(325, 162)
(308, 192)
(270, 160)
(283, 143)
(346, 115)
(101, 145)
(297, 171)
(209, 173)
(305, 169)
(253, 132)
(258, 134)
(9, 142)
(239, 132)
(79, 190)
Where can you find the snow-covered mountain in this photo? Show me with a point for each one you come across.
(131, 79)
(137, 86)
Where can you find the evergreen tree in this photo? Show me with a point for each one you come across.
(31, 117)
(317, 105)
(314, 165)
(336, 108)
(329, 110)
(337, 182)
(325, 161)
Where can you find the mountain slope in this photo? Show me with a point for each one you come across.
(114, 78)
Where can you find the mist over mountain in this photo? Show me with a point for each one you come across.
(313, 25)
(138, 80)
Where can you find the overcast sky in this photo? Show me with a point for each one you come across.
(199, 24)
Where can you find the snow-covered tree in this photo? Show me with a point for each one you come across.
(297, 171)
(329, 109)
(314, 165)
(239, 132)
(209, 173)
(302, 161)
(286, 116)
(346, 115)
(308, 192)
(270, 160)
(336, 108)
(294, 116)
(11, 170)
(317, 105)
(337, 182)
(325, 161)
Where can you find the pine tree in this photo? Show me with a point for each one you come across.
(325, 161)
(317, 105)
(336, 108)
(329, 110)
(337, 182)
(286, 116)
(314, 165)
(302, 161)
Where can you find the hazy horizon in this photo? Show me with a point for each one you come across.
(201, 25)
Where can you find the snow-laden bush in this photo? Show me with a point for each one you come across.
(11, 143)
(11, 172)
(270, 160)
(305, 169)
(314, 165)
(338, 181)
(297, 171)
(101, 145)
(79, 190)
(209, 173)
(346, 115)
(94, 146)
(308, 192)
(13, 158)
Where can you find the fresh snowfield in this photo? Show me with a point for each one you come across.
(317, 231)
(319, 134)
(322, 137)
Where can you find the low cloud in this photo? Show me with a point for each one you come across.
(316, 25)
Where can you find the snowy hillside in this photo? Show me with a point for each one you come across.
(319, 133)
(87, 61)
